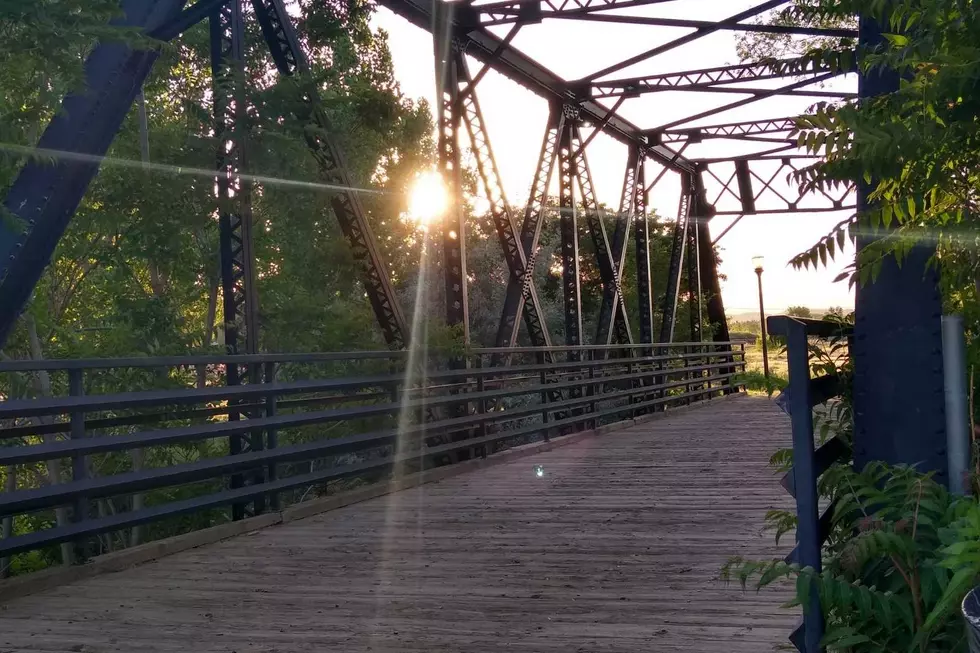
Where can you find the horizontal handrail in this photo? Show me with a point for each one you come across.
(63, 405)
(103, 444)
(312, 357)
(779, 325)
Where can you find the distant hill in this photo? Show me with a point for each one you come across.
(751, 317)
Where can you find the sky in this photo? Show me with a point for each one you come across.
(573, 49)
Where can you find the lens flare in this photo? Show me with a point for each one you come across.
(428, 199)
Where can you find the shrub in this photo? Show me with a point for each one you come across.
(901, 555)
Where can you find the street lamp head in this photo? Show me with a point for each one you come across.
(757, 263)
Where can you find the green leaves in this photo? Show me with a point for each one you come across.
(901, 555)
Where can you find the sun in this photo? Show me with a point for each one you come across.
(427, 200)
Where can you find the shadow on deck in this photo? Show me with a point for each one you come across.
(617, 547)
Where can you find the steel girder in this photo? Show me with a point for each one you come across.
(677, 249)
(899, 408)
(227, 25)
(45, 195)
(449, 124)
(239, 296)
(747, 130)
(613, 320)
(515, 254)
(291, 62)
(709, 79)
(644, 282)
(609, 270)
(568, 222)
(516, 296)
(743, 180)
(694, 276)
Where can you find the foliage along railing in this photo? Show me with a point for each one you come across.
(96, 465)
(801, 395)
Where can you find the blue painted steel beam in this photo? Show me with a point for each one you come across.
(899, 401)
(45, 194)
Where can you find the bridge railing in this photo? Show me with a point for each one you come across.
(810, 461)
(157, 458)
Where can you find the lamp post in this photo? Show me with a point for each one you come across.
(757, 262)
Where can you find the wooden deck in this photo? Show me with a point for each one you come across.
(617, 548)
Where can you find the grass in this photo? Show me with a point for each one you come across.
(754, 377)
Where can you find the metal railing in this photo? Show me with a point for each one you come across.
(316, 423)
(809, 461)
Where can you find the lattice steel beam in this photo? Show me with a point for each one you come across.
(644, 283)
(239, 296)
(735, 130)
(494, 13)
(234, 197)
(291, 61)
(608, 270)
(45, 195)
(517, 289)
(678, 245)
(514, 254)
(705, 79)
(708, 264)
(567, 176)
(448, 126)
(610, 315)
(694, 276)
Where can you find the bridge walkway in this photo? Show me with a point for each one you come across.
(617, 547)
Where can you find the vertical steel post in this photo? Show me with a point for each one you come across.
(609, 323)
(79, 469)
(511, 244)
(605, 255)
(804, 471)
(694, 278)
(708, 271)
(517, 296)
(644, 284)
(239, 300)
(957, 404)
(272, 434)
(571, 288)
(678, 245)
(899, 406)
(449, 122)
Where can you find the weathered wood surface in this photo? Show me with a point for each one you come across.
(617, 548)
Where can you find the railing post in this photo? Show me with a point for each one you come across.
(957, 405)
(272, 434)
(592, 387)
(481, 404)
(804, 476)
(544, 399)
(79, 471)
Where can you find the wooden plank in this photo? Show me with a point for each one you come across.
(617, 547)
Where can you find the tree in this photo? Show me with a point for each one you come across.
(799, 311)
